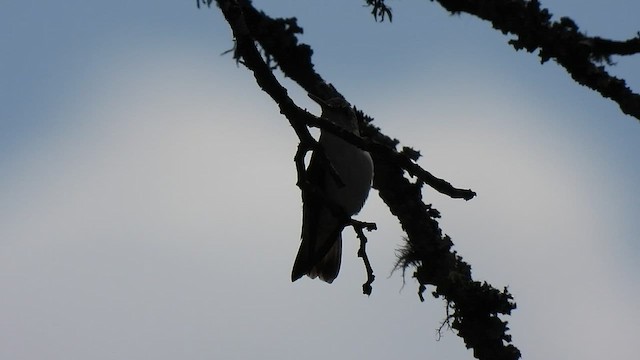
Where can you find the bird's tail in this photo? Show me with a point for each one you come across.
(326, 268)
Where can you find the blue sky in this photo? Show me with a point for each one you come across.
(149, 209)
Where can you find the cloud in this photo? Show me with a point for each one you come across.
(129, 223)
(160, 219)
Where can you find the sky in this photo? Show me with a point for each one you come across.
(148, 206)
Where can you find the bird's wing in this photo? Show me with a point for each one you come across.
(317, 219)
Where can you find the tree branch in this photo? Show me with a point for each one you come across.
(476, 306)
(359, 227)
(582, 56)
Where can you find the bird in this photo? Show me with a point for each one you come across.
(343, 173)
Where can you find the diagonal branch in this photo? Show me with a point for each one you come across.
(476, 305)
(561, 41)
(295, 62)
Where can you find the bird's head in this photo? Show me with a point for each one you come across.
(338, 111)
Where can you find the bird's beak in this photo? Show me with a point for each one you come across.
(318, 101)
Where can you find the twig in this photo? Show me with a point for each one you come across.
(358, 227)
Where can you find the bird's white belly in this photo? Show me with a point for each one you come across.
(355, 168)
